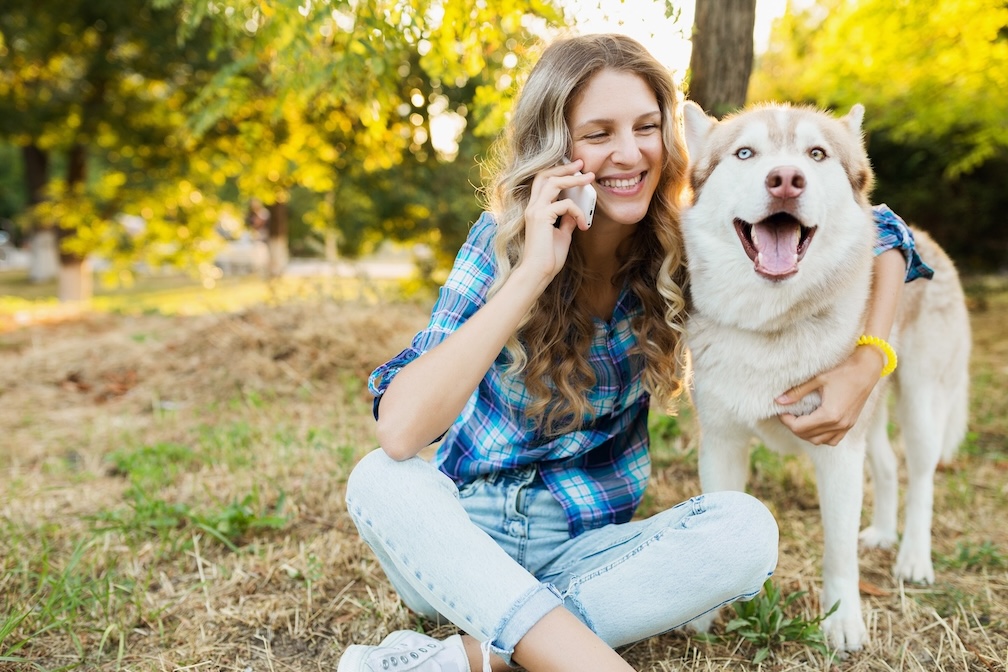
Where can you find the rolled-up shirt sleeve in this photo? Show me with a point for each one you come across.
(464, 292)
(893, 233)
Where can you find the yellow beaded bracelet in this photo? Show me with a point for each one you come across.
(886, 349)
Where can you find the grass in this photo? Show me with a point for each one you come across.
(171, 498)
(23, 301)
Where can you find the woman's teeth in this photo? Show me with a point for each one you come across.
(622, 184)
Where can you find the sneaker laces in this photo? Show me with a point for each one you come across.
(485, 651)
(402, 654)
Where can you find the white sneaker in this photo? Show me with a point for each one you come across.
(407, 651)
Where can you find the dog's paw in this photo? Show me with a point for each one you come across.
(873, 537)
(845, 631)
(915, 566)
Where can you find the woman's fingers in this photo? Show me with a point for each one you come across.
(547, 203)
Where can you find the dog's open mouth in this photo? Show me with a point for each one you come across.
(775, 244)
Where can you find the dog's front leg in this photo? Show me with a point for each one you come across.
(723, 463)
(840, 481)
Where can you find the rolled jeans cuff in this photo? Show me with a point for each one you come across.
(527, 611)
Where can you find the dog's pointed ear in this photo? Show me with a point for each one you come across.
(696, 124)
(854, 118)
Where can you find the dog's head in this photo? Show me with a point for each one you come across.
(774, 187)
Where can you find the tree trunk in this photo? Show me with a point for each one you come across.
(36, 162)
(43, 260)
(43, 255)
(331, 241)
(75, 283)
(279, 252)
(722, 55)
(331, 247)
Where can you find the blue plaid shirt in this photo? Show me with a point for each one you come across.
(894, 233)
(599, 472)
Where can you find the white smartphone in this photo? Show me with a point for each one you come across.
(584, 197)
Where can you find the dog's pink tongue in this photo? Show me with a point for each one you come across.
(776, 247)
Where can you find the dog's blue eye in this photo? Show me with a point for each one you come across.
(744, 153)
(817, 153)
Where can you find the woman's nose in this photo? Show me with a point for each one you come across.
(626, 151)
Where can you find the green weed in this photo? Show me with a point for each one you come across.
(145, 517)
(313, 572)
(56, 597)
(767, 465)
(155, 466)
(763, 622)
(948, 600)
(8, 627)
(670, 439)
(237, 519)
(971, 556)
(664, 427)
(171, 522)
(231, 445)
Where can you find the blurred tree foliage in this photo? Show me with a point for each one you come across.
(168, 109)
(343, 100)
(97, 88)
(934, 80)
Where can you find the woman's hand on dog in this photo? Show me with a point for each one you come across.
(844, 389)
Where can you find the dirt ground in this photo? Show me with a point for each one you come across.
(268, 408)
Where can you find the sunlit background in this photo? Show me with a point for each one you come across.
(646, 22)
(145, 147)
(667, 38)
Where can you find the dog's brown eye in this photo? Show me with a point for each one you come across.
(817, 153)
(744, 153)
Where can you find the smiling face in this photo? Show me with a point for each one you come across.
(615, 124)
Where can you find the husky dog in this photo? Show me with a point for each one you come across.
(779, 241)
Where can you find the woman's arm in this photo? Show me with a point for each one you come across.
(845, 388)
(429, 393)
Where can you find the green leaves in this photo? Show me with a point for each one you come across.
(175, 99)
(922, 70)
(764, 623)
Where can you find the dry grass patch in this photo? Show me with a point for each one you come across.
(172, 498)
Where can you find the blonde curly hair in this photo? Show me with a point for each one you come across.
(550, 347)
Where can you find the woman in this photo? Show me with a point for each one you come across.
(537, 370)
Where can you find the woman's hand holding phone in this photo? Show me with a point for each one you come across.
(551, 218)
(583, 196)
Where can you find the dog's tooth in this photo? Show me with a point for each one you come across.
(755, 236)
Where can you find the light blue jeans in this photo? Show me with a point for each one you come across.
(496, 557)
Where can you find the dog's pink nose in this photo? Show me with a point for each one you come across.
(785, 182)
